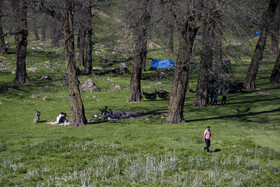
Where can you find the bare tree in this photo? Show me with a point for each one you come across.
(275, 74)
(187, 16)
(275, 31)
(55, 32)
(65, 15)
(249, 82)
(85, 36)
(141, 34)
(44, 27)
(21, 32)
(3, 49)
(201, 94)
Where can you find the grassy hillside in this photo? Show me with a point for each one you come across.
(136, 151)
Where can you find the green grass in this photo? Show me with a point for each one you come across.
(141, 151)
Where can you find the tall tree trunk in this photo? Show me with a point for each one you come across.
(218, 52)
(140, 53)
(20, 16)
(201, 94)
(275, 28)
(43, 29)
(275, 74)
(55, 33)
(274, 43)
(88, 42)
(144, 54)
(178, 93)
(170, 38)
(76, 105)
(3, 49)
(81, 46)
(249, 82)
(35, 30)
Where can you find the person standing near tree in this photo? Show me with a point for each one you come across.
(207, 138)
(215, 97)
(224, 99)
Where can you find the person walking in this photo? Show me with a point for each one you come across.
(207, 138)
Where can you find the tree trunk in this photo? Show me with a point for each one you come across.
(144, 54)
(275, 28)
(140, 54)
(201, 94)
(76, 105)
(20, 15)
(81, 46)
(249, 82)
(275, 74)
(274, 43)
(55, 33)
(170, 37)
(88, 42)
(36, 34)
(177, 98)
(43, 30)
(3, 49)
(35, 30)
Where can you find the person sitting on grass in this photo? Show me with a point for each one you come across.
(60, 120)
(104, 111)
(110, 113)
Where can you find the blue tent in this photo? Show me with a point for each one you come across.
(162, 64)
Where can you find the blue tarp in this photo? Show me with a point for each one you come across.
(162, 64)
(258, 32)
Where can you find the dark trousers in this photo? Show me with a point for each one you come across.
(207, 141)
(224, 99)
(215, 102)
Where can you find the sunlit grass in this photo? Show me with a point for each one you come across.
(141, 150)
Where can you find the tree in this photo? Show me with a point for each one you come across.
(65, 15)
(201, 94)
(21, 32)
(141, 34)
(3, 49)
(44, 27)
(275, 29)
(85, 37)
(249, 82)
(188, 22)
(275, 74)
(81, 46)
(55, 32)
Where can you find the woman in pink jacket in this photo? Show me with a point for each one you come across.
(206, 138)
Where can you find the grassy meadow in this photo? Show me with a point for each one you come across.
(138, 151)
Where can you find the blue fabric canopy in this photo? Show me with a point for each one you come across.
(162, 64)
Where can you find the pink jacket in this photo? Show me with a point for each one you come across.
(207, 134)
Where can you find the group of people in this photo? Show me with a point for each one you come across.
(105, 112)
(214, 96)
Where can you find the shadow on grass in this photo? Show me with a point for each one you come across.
(235, 116)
